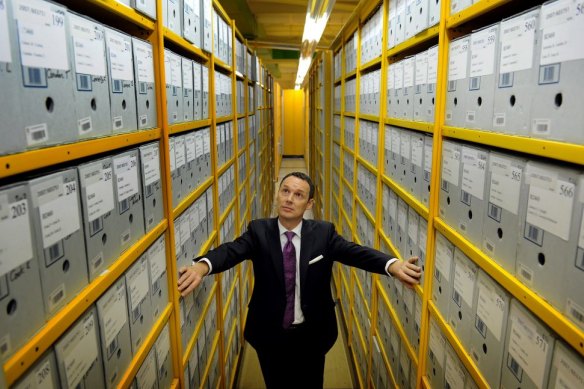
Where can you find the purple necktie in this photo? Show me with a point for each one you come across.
(289, 253)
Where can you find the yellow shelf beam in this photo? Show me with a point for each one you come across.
(397, 323)
(474, 11)
(371, 118)
(466, 359)
(416, 126)
(178, 40)
(370, 65)
(25, 357)
(125, 12)
(193, 340)
(225, 166)
(226, 212)
(227, 302)
(223, 66)
(142, 353)
(28, 161)
(224, 119)
(192, 197)
(541, 308)
(188, 126)
(414, 42)
(567, 152)
(367, 213)
(420, 208)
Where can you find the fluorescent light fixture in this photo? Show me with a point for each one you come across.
(317, 16)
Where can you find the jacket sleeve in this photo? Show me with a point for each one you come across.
(229, 254)
(353, 254)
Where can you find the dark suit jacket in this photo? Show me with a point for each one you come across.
(261, 244)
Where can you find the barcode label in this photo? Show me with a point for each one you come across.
(117, 86)
(470, 116)
(118, 123)
(513, 365)
(444, 186)
(489, 246)
(156, 286)
(4, 346)
(431, 88)
(580, 258)
(481, 326)
(149, 190)
(136, 313)
(174, 91)
(143, 120)
(126, 237)
(456, 297)
(124, 205)
(541, 126)
(549, 74)
(57, 296)
(577, 315)
(465, 197)
(53, 253)
(142, 88)
(525, 274)
(499, 120)
(495, 212)
(534, 234)
(35, 77)
(97, 261)
(475, 83)
(452, 86)
(432, 356)
(506, 80)
(438, 275)
(84, 125)
(418, 89)
(112, 348)
(36, 134)
(83, 82)
(95, 226)
(426, 176)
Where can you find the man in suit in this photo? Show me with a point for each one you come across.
(291, 320)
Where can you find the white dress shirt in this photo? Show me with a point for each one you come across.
(298, 315)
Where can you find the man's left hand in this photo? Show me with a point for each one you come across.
(406, 271)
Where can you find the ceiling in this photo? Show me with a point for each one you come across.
(274, 28)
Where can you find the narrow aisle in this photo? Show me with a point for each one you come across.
(337, 374)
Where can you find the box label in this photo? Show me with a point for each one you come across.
(126, 171)
(517, 40)
(505, 184)
(120, 55)
(552, 210)
(458, 60)
(570, 374)
(491, 307)
(151, 164)
(444, 256)
(464, 278)
(138, 283)
(80, 351)
(483, 52)
(422, 68)
(450, 163)
(528, 347)
(144, 61)
(473, 172)
(58, 210)
(42, 34)
(5, 51)
(562, 25)
(454, 373)
(114, 312)
(88, 46)
(99, 195)
(15, 234)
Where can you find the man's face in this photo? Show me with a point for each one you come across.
(293, 199)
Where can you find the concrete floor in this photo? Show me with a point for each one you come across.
(337, 373)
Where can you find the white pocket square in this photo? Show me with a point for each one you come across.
(315, 260)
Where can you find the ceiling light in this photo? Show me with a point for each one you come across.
(317, 16)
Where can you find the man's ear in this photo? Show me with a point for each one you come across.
(310, 204)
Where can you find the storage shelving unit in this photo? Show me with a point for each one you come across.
(252, 191)
(346, 203)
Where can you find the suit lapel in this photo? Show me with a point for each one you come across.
(305, 250)
(273, 240)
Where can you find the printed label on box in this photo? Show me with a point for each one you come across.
(450, 163)
(99, 194)
(454, 372)
(120, 55)
(562, 24)
(59, 216)
(42, 34)
(138, 283)
(570, 374)
(482, 54)
(151, 161)
(115, 313)
(443, 257)
(464, 278)
(458, 65)
(528, 347)
(80, 351)
(88, 46)
(517, 44)
(126, 170)
(552, 210)
(144, 60)
(5, 52)
(490, 308)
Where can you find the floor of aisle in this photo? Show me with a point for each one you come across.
(337, 373)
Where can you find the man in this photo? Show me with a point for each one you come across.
(291, 319)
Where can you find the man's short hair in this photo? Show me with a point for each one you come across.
(304, 177)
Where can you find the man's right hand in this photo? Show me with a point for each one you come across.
(190, 277)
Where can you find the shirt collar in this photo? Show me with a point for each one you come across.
(297, 230)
